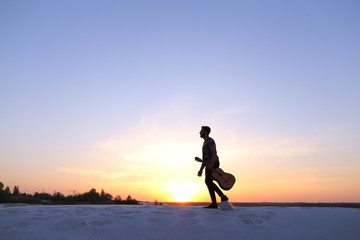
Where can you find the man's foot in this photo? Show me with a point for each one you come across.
(224, 198)
(213, 205)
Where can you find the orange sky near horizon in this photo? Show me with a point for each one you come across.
(164, 169)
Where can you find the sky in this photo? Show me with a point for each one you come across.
(112, 95)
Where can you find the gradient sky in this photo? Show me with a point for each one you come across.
(112, 95)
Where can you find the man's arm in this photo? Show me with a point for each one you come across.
(201, 169)
(213, 156)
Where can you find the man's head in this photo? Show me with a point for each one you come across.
(205, 131)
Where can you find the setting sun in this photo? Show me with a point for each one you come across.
(182, 192)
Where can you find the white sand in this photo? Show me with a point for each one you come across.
(176, 222)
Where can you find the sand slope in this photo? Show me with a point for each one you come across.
(176, 222)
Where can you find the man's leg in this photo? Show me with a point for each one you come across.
(210, 185)
(217, 189)
(214, 187)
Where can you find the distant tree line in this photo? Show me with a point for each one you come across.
(90, 197)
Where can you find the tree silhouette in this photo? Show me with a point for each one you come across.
(5, 195)
(16, 191)
(89, 197)
(128, 198)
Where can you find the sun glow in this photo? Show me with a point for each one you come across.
(182, 192)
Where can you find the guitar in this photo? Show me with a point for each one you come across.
(225, 180)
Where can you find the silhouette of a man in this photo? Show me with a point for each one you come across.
(212, 161)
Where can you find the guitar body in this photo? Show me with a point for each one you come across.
(225, 180)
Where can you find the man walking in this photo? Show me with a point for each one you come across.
(211, 161)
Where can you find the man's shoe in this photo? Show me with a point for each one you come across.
(213, 205)
(224, 198)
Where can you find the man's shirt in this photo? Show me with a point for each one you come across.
(207, 154)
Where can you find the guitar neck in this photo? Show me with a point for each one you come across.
(202, 161)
